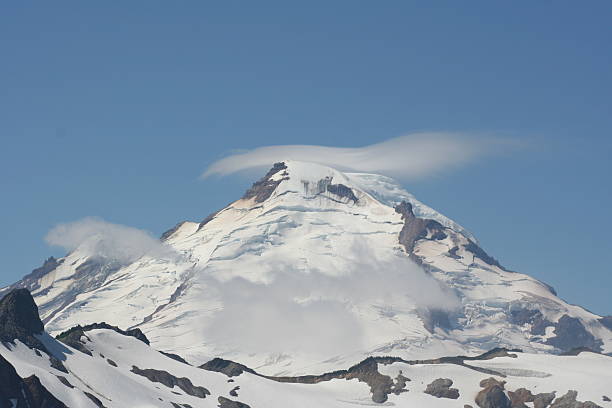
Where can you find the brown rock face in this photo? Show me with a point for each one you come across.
(263, 189)
(492, 395)
(440, 388)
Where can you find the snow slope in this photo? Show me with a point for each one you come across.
(108, 375)
(314, 269)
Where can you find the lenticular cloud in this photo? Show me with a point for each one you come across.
(413, 156)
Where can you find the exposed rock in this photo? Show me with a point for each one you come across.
(175, 357)
(480, 253)
(263, 188)
(228, 403)
(111, 362)
(64, 381)
(519, 397)
(342, 191)
(533, 317)
(543, 400)
(569, 401)
(234, 391)
(31, 280)
(28, 392)
(227, 367)
(19, 319)
(57, 364)
(492, 395)
(171, 381)
(39, 395)
(72, 337)
(366, 371)
(605, 398)
(440, 388)
(415, 228)
(607, 322)
(570, 333)
(94, 399)
(167, 234)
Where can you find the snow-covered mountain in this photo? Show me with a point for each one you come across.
(102, 366)
(310, 271)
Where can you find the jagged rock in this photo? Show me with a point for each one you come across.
(23, 393)
(570, 333)
(263, 188)
(170, 381)
(569, 401)
(31, 281)
(342, 191)
(19, 319)
(228, 403)
(605, 398)
(415, 228)
(519, 397)
(543, 400)
(440, 388)
(72, 337)
(492, 395)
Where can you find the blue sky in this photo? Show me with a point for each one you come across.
(114, 110)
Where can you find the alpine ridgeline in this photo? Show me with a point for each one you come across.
(314, 269)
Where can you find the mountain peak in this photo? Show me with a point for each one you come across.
(19, 319)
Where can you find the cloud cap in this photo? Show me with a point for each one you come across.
(413, 156)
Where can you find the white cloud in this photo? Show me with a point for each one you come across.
(411, 156)
(98, 238)
(316, 313)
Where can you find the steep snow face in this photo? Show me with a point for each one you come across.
(314, 269)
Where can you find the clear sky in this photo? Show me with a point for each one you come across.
(114, 109)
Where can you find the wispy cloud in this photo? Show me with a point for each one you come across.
(317, 312)
(101, 239)
(412, 156)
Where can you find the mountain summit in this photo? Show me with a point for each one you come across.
(314, 268)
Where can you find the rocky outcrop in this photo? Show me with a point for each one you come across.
(167, 234)
(175, 357)
(227, 367)
(228, 403)
(440, 388)
(569, 401)
(543, 400)
(492, 395)
(23, 393)
(416, 228)
(19, 319)
(342, 191)
(72, 337)
(532, 317)
(606, 322)
(570, 333)
(31, 281)
(170, 381)
(263, 188)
